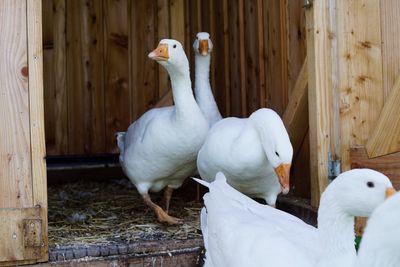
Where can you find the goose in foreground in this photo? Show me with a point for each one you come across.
(380, 245)
(238, 231)
(255, 154)
(159, 149)
(202, 47)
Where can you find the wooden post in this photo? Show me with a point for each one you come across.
(319, 95)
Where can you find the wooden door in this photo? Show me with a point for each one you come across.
(23, 196)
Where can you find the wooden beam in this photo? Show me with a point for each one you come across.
(385, 138)
(319, 95)
(295, 117)
(388, 165)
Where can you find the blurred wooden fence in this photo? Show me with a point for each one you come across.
(98, 78)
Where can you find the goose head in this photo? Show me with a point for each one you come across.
(202, 45)
(171, 55)
(358, 192)
(276, 143)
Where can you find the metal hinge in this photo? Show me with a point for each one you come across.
(334, 167)
(307, 4)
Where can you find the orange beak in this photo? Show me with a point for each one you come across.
(203, 47)
(283, 172)
(389, 192)
(160, 53)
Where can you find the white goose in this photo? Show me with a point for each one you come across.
(159, 149)
(238, 231)
(380, 245)
(202, 47)
(254, 154)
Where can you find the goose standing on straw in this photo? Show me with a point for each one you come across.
(159, 150)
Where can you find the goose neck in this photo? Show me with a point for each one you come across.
(336, 229)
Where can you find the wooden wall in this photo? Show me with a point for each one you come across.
(98, 78)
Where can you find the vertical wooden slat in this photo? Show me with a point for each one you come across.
(93, 78)
(144, 82)
(251, 44)
(226, 52)
(118, 95)
(15, 149)
(84, 77)
(245, 111)
(36, 112)
(234, 54)
(296, 41)
(360, 72)
(60, 100)
(283, 48)
(273, 62)
(319, 95)
(177, 23)
(163, 32)
(390, 10)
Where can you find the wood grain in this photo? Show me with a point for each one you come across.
(390, 30)
(60, 101)
(15, 149)
(118, 84)
(319, 96)
(388, 165)
(295, 116)
(144, 76)
(385, 137)
(360, 72)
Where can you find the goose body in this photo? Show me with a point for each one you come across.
(380, 245)
(202, 47)
(238, 231)
(159, 149)
(253, 153)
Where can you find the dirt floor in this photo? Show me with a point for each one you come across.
(111, 212)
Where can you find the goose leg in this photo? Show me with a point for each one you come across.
(162, 216)
(167, 197)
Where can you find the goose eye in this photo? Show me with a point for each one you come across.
(370, 184)
(276, 153)
(174, 46)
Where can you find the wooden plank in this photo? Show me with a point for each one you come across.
(163, 31)
(300, 173)
(227, 59)
(390, 28)
(319, 96)
(49, 93)
(177, 23)
(283, 49)
(144, 76)
(60, 87)
(84, 77)
(360, 72)
(253, 84)
(234, 54)
(37, 134)
(47, 8)
(385, 138)
(295, 116)
(14, 246)
(15, 152)
(388, 165)
(243, 91)
(296, 41)
(93, 77)
(118, 87)
(273, 52)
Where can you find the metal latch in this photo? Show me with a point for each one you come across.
(32, 232)
(334, 167)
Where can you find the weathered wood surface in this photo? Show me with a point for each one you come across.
(389, 164)
(385, 138)
(104, 45)
(15, 149)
